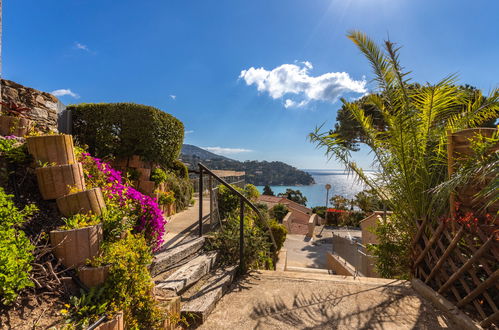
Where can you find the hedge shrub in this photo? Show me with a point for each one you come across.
(126, 129)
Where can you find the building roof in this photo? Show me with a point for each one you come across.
(271, 199)
(227, 173)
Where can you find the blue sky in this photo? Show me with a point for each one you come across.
(188, 59)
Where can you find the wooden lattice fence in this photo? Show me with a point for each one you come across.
(461, 264)
(459, 258)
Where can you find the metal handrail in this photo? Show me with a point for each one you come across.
(243, 200)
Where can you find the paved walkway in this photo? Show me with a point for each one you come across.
(183, 226)
(305, 252)
(289, 300)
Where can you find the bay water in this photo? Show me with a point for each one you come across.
(341, 182)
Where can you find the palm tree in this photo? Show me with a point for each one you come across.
(410, 150)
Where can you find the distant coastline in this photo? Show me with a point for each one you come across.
(341, 183)
(257, 172)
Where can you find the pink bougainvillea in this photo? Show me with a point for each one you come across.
(150, 219)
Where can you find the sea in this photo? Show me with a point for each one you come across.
(341, 183)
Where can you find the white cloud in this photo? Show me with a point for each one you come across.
(189, 132)
(81, 46)
(294, 79)
(173, 97)
(64, 92)
(226, 151)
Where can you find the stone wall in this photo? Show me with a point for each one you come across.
(44, 107)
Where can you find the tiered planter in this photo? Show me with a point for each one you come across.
(144, 174)
(57, 181)
(171, 307)
(146, 187)
(117, 323)
(52, 149)
(168, 210)
(143, 184)
(73, 247)
(88, 201)
(93, 276)
(17, 126)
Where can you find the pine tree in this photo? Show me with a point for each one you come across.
(267, 191)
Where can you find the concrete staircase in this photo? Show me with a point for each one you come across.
(194, 275)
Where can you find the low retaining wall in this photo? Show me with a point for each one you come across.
(287, 221)
(354, 254)
(312, 222)
(339, 265)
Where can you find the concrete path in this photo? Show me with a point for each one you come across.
(305, 252)
(289, 300)
(183, 226)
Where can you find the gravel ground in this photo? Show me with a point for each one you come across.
(287, 300)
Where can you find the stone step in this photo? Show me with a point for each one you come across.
(197, 308)
(168, 258)
(189, 273)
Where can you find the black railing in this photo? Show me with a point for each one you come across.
(242, 201)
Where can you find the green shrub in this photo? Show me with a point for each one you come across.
(179, 169)
(158, 175)
(279, 232)
(278, 212)
(129, 284)
(320, 211)
(80, 221)
(15, 249)
(393, 252)
(126, 129)
(166, 198)
(181, 187)
(13, 150)
(351, 219)
(257, 246)
(228, 202)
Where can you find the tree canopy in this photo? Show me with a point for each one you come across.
(267, 191)
(295, 196)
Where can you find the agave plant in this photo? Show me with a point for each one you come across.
(410, 147)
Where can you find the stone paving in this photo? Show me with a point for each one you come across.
(294, 300)
(183, 226)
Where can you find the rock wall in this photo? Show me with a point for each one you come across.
(44, 107)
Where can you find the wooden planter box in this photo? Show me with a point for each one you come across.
(57, 181)
(134, 162)
(122, 162)
(93, 276)
(146, 187)
(144, 173)
(88, 201)
(170, 306)
(52, 149)
(168, 210)
(73, 247)
(116, 323)
(17, 126)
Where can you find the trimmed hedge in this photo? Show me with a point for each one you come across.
(125, 129)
